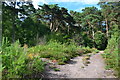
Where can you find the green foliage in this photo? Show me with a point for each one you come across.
(15, 61)
(55, 36)
(56, 69)
(82, 39)
(100, 40)
(87, 41)
(94, 50)
(35, 65)
(63, 30)
(111, 54)
(55, 50)
(88, 50)
(58, 51)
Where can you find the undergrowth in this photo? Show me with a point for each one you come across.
(61, 52)
(111, 54)
(18, 62)
(15, 63)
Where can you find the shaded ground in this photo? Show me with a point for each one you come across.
(76, 69)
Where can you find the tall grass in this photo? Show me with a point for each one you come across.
(58, 51)
(15, 63)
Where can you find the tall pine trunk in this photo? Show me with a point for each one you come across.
(107, 32)
(51, 23)
(51, 26)
(13, 27)
(93, 35)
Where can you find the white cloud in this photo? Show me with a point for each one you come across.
(36, 2)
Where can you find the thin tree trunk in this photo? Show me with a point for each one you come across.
(13, 27)
(68, 29)
(93, 33)
(52, 23)
(37, 38)
(106, 27)
(51, 26)
(93, 36)
(56, 28)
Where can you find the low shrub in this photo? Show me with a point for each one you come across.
(100, 40)
(58, 51)
(13, 60)
(87, 50)
(111, 53)
(55, 50)
(15, 63)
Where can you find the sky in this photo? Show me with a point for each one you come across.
(75, 5)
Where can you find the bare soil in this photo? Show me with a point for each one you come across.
(76, 69)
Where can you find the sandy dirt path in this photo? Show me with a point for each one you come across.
(76, 69)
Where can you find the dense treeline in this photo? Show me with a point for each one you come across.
(22, 21)
(92, 27)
